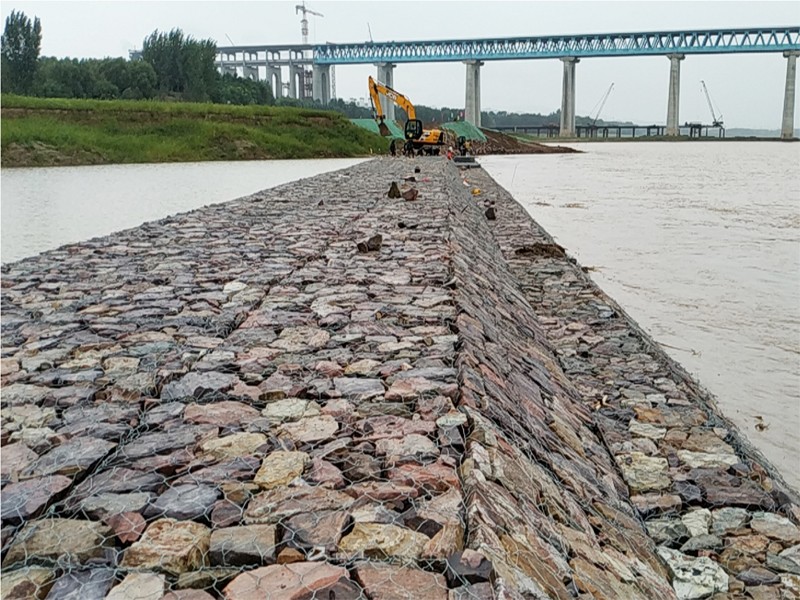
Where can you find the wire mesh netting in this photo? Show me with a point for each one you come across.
(319, 392)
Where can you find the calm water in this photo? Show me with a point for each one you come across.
(44, 208)
(700, 243)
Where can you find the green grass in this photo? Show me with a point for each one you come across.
(45, 131)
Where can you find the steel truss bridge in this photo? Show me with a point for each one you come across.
(710, 41)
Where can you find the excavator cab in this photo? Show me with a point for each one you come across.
(413, 129)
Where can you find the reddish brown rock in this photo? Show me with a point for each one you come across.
(296, 581)
(433, 477)
(325, 474)
(391, 582)
(128, 527)
(247, 545)
(225, 413)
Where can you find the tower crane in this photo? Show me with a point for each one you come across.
(715, 121)
(301, 8)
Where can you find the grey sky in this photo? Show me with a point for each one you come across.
(747, 89)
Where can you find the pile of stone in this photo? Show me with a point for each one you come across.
(318, 391)
(723, 519)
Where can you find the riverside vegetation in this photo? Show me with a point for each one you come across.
(49, 132)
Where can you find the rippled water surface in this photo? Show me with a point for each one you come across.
(44, 208)
(700, 243)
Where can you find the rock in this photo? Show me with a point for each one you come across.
(725, 519)
(431, 478)
(296, 581)
(370, 244)
(301, 339)
(490, 213)
(276, 505)
(320, 529)
(246, 545)
(395, 582)
(26, 500)
(184, 502)
(758, 576)
(139, 586)
(374, 540)
(103, 505)
(70, 458)
(697, 521)
(281, 467)
(226, 413)
(648, 431)
(789, 560)
(394, 191)
(412, 447)
(128, 527)
(654, 504)
(188, 595)
(468, 566)
(643, 473)
(159, 442)
(290, 409)
(234, 446)
(325, 474)
(311, 430)
(667, 530)
(411, 388)
(363, 367)
(706, 441)
(82, 585)
(16, 458)
(358, 389)
(69, 540)
(775, 527)
(170, 546)
(200, 385)
(480, 591)
(694, 577)
(703, 460)
(28, 583)
(20, 393)
(702, 542)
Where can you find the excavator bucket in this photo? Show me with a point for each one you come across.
(384, 129)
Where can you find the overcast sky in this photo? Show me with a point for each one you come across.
(746, 88)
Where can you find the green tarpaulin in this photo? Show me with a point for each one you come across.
(372, 125)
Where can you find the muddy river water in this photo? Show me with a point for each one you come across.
(700, 243)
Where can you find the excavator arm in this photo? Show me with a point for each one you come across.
(375, 90)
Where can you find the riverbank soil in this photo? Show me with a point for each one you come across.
(501, 143)
(54, 132)
(321, 388)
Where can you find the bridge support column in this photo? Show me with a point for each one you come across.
(386, 77)
(274, 80)
(472, 105)
(296, 81)
(249, 71)
(674, 98)
(787, 126)
(321, 83)
(567, 123)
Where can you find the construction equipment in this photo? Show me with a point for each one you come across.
(426, 140)
(602, 103)
(715, 121)
(304, 21)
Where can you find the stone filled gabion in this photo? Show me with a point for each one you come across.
(240, 402)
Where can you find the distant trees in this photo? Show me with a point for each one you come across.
(21, 43)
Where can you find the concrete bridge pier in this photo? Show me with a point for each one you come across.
(274, 79)
(386, 77)
(472, 105)
(321, 83)
(787, 126)
(296, 76)
(674, 98)
(250, 71)
(567, 124)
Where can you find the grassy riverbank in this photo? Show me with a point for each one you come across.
(47, 132)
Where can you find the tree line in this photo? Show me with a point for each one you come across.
(172, 66)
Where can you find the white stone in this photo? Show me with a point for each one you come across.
(697, 521)
(701, 460)
(694, 578)
(139, 586)
(646, 430)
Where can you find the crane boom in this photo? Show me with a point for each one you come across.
(602, 103)
(716, 122)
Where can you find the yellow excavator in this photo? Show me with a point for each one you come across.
(427, 141)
